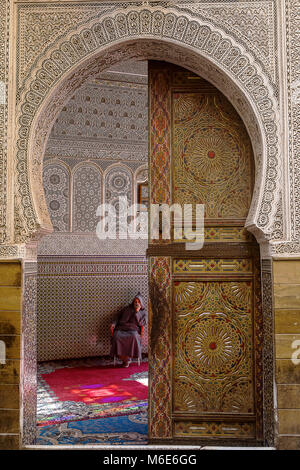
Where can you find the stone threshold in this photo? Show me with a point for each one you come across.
(145, 447)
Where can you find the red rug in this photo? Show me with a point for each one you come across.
(86, 390)
(97, 384)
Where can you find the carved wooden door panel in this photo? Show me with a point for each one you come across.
(206, 320)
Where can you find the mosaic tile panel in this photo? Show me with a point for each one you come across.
(77, 300)
(181, 29)
(29, 362)
(118, 183)
(102, 110)
(86, 198)
(56, 180)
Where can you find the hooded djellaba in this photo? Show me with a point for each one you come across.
(126, 339)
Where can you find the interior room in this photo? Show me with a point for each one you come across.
(97, 151)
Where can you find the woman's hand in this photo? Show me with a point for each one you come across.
(112, 327)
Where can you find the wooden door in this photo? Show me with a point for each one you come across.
(205, 319)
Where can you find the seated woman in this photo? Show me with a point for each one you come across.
(126, 339)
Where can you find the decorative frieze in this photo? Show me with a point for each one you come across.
(29, 352)
(4, 21)
(292, 10)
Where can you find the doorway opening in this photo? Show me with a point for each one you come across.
(210, 161)
(97, 151)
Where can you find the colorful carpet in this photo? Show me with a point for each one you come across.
(130, 430)
(74, 390)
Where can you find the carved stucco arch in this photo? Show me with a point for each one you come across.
(145, 33)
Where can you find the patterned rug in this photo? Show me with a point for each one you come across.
(74, 390)
(129, 430)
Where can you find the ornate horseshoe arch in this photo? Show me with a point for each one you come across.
(145, 33)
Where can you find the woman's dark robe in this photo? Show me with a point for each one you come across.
(126, 340)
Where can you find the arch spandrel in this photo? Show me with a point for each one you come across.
(146, 33)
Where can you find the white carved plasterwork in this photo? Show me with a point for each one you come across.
(183, 39)
(106, 112)
(292, 15)
(37, 27)
(92, 149)
(278, 228)
(103, 119)
(71, 162)
(293, 45)
(118, 182)
(252, 22)
(77, 244)
(82, 182)
(4, 20)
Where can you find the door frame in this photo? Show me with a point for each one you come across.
(54, 79)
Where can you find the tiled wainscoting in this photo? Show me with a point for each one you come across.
(77, 299)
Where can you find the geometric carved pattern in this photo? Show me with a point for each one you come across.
(268, 351)
(261, 341)
(215, 429)
(212, 155)
(56, 179)
(216, 321)
(213, 363)
(86, 198)
(253, 23)
(103, 119)
(200, 38)
(293, 93)
(160, 424)
(88, 244)
(159, 138)
(118, 182)
(142, 174)
(37, 26)
(217, 234)
(86, 182)
(29, 322)
(212, 265)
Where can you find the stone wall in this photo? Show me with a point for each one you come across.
(10, 347)
(287, 351)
